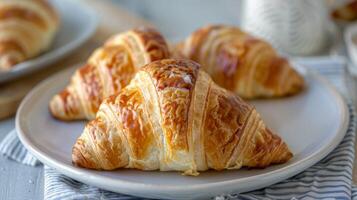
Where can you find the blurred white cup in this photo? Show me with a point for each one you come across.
(293, 27)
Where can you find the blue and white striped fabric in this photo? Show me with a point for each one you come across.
(331, 178)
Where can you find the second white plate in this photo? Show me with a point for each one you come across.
(312, 123)
(78, 23)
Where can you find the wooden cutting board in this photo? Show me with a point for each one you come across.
(113, 19)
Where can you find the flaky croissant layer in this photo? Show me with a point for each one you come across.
(173, 117)
(109, 69)
(241, 63)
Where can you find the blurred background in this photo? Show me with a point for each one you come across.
(297, 28)
(176, 19)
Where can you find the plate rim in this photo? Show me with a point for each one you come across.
(111, 184)
(46, 58)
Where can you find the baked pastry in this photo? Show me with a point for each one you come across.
(239, 62)
(346, 12)
(27, 28)
(173, 117)
(108, 70)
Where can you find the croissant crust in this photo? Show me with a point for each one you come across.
(239, 62)
(173, 117)
(27, 29)
(108, 70)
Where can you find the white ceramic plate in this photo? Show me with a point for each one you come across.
(312, 124)
(78, 23)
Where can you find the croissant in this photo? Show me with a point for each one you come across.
(27, 28)
(248, 66)
(109, 69)
(346, 12)
(173, 117)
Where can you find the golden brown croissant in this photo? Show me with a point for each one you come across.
(241, 63)
(172, 116)
(347, 12)
(109, 69)
(27, 28)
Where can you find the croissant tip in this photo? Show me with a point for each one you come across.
(7, 62)
(56, 109)
(298, 82)
(53, 106)
(285, 156)
(298, 85)
(62, 107)
(295, 84)
(288, 155)
(78, 159)
(76, 156)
